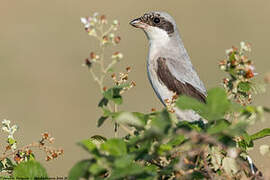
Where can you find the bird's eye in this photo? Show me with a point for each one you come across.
(156, 20)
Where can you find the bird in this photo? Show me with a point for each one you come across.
(169, 68)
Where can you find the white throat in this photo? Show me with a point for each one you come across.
(157, 35)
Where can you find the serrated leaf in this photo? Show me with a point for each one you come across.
(101, 120)
(261, 134)
(113, 94)
(161, 123)
(244, 86)
(103, 102)
(115, 147)
(96, 169)
(124, 161)
(129, 119)
(128, 171)
(215, 108)
(217, 104)
(88, 145)
(218, 127)
(176, 141)
(80, 170)
(186, 102)
(189, 125)
(30, 169)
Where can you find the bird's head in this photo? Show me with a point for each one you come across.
(156, 25)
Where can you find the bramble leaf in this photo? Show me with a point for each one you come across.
(30, 169)
(80, 170)
(115, 147)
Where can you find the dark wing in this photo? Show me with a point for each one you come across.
(180, 88)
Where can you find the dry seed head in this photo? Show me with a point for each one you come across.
(117, 39)
(103, 19)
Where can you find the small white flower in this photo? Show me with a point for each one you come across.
(229, 51)
(5, 129)
(92, 32)
(111, 35)
(244, 46)
(10, 136)
(6, 122)
(115, 22)
(13, 129)
(14, 147)
(85, 22)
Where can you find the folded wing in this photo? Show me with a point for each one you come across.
(180, 78)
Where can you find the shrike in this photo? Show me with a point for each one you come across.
(168, 65)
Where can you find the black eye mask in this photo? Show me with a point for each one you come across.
(156, 20)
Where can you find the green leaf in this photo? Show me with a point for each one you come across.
(190, 125)
(218, 127)
(187, 102)
(88, 145)
(215, 108)
(101, 120)
(96, 169)
(103, 102)
(217, 104)
(131, 170)
(244, 86)
(132, 119)
(80, 170)
(124, 161)
(113, 94)
(261, 134)
(161, 123)
(176, 141)
(115, 147)
(30, 169)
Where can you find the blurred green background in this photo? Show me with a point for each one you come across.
(43, 44)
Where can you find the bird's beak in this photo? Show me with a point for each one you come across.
(138, 23)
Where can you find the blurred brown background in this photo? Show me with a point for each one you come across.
(43, 44)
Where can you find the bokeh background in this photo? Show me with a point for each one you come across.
(43, 44)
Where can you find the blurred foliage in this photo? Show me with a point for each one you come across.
(20, 162)
(158, 146)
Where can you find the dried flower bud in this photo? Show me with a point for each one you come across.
(45, 135)
(103, 19)
(88, 63)
(48, 158)
(133, 83)
(249, 74)
(105, 40)
(117, 39)
(51, 140)
(153, 110)
(54, 155)
(117, 55)
(128, 69)
(92, 32)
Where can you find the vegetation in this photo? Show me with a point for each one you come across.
(156, 144)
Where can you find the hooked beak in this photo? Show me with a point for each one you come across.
(138, 23)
